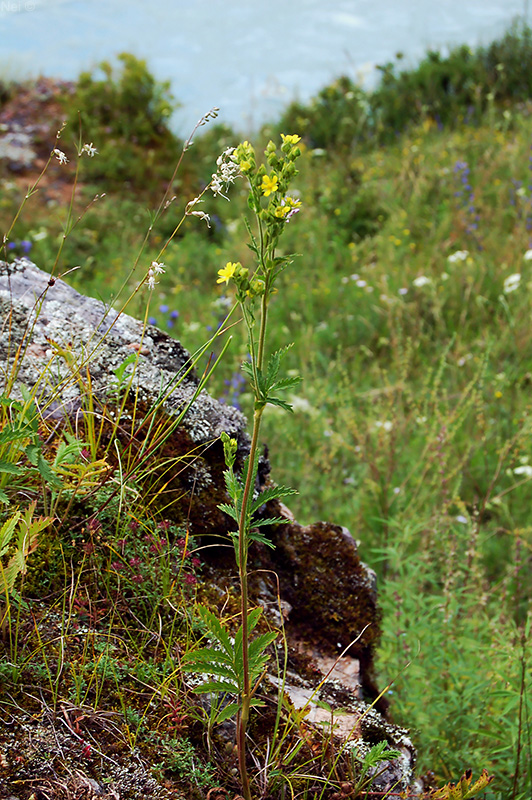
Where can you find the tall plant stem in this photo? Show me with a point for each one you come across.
(263, 322)
(243, 717)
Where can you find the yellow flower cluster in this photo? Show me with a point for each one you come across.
(289, 206)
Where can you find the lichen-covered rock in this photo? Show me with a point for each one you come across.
(68, 337)
(331, 594)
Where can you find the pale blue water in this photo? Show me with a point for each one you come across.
(247, 57)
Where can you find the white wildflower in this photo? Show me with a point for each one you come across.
(525, 470)
(403, 290)
(528, 255)
(302, 404)
(61, 157)
(386, 425)
(155, 269)
(462, 519)
(217, 186)
(511, 283)
(361, 283)
(226, 173)
(201, 215)
(460, 255)
(420, 281)
(89, 149)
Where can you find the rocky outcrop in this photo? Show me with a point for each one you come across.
(69, 339)
(313, 583)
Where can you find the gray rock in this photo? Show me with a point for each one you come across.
(67, 333)
(66, 336)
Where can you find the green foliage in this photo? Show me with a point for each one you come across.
(21, 451)
(412, 333)
(253, 521)
(125, 114)
(463, 789)
(365, 767)
(19, 550)
(453, 88)
(181, 758)
(224, 663)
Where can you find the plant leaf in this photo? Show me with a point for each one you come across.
(271, 493)
(228, 711)
(10, 468)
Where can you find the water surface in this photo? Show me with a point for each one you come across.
(248, 57)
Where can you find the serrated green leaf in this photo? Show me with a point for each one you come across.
(229, 711)
(253, 618)
(13, 434)
(46, 472)
(254, 244)
(8, 401)
(233, 486)
(271, 493)
(272, 521)
(229, 510)
(256, 536)
(206, 659)
(33, 452)
(276, 401)
(7, 530)
(274, 362)
(215, 687)
(216, 628)
(10, 468)
(286, 383)
(4, 498)
(247, 368)
(259, 645)
(67, 453)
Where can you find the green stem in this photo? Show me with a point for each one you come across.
(263, 320)
(243, 525)
(243, 716)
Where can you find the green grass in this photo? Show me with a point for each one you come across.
(413, 423)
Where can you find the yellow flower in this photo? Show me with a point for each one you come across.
(227, 272)
(289, 206)
(292, 138)
(269, 185)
